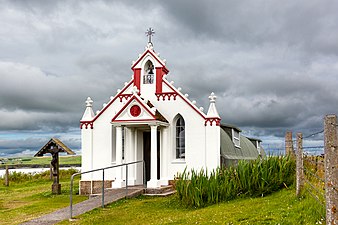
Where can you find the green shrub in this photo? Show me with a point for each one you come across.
(20, 177)
(248, 178)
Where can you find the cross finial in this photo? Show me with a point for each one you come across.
(212, 97)
(89, 102)
(150, 32)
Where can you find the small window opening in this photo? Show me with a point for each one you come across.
(236, 138)
(258, 147)
(180, 138)
(148, 77)
(123, 141)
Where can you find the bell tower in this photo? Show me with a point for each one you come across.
(149, 69)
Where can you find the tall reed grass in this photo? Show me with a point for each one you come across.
(249, 178)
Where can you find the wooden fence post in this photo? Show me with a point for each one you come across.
(331, 172)
(299, 165)
(289, 144)
(7, 176)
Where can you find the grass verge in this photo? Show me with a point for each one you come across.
(26, 199)
(281, 207)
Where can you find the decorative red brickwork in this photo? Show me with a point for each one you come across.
(124, 96)
(86, 124)
(212, 120)
(166, 94)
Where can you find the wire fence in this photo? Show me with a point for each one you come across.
(314, 170)
(313, 165)
(316, 167)
(314, 180)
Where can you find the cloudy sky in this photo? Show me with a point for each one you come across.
(272, 64)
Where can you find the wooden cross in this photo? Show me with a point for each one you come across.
(53, 147)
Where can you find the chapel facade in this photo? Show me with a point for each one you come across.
(150, 119)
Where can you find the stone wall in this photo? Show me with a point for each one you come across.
(93, 187)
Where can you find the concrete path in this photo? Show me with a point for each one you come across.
(85, 206)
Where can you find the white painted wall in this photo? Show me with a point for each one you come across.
(86, 146)
(202, 147)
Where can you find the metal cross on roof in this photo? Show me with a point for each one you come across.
(150, 32)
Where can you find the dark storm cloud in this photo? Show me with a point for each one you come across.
(273, 65)
(308, 24)
(31, 145)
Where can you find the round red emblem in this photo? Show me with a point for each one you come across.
(135, 110)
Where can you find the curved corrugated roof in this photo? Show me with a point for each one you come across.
(229, 151)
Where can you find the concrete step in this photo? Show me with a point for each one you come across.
(112, 191)
(165, 194)
(161, 191)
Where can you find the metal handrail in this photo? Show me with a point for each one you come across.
(103, 169)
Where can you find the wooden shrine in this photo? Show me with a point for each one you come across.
(53, 147)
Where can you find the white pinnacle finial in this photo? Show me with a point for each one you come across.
(88, 115)
(212, 112)
(149, 46)
(89, 102)
(135, 90)
(212, 97)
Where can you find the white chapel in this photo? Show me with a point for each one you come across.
(150, 119)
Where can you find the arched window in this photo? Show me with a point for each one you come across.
(148, 77)
(180, 138)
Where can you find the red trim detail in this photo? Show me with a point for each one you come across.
(124, 96)
(156, 57)
(111, 102)
(137, 78)
(86, 124)
(126, 105)
(165, 70)
(211, 120)
(135, 110)
(166, 94)
(159, 76)
(104, 109)
(140, 120)
(178, 93)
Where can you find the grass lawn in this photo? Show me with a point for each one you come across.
(282, 207)
(25, 200)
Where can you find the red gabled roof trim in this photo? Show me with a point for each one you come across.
(178, 93)
(111, 102)
(140, 120)
(164, 69)
(127, 104)
(156, 57)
